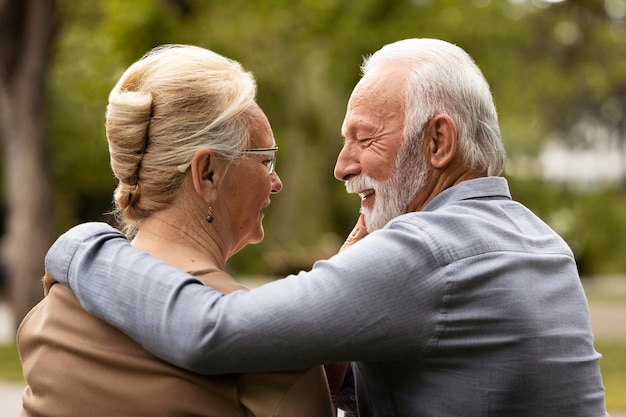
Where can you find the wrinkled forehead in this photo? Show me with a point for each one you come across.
(379, 96)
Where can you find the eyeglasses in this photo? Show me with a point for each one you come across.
(270, 163)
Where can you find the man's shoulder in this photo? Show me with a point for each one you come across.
(471, 227)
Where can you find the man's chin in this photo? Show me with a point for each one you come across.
(375, 221)
(368, 220)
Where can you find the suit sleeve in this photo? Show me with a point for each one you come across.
(359, 305)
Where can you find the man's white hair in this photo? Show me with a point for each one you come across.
(444, 79)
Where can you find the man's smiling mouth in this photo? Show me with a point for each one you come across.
(365, 194)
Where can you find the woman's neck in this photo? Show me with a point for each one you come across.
(173, 242)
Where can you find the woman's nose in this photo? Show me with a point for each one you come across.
(277, 184)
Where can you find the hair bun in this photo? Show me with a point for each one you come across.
(128, 121)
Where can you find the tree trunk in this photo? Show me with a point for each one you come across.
(27, 28)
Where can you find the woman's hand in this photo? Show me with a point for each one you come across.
(48, 281)
(358, 233)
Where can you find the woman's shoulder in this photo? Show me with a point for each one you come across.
(218, 279)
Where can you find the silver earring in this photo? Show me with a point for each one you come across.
(209, 217)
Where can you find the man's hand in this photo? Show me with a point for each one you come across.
(358, 233)
(48, 281)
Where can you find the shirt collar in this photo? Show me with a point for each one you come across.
(484, 187)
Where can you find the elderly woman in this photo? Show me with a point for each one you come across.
(194, 157)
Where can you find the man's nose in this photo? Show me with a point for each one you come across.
(347, 164)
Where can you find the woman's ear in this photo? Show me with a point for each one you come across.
(204, 174)
(441, 140)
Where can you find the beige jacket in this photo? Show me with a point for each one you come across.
(78, 365)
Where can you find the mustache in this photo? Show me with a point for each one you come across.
(360, 183)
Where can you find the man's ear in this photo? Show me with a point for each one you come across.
(441, 140)
(204, 174)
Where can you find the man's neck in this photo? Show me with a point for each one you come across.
(440, 181)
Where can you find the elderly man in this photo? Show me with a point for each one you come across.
(459, 301)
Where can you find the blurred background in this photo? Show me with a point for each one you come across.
(557, 69)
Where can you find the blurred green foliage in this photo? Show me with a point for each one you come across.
(10, 366)
(549, 64)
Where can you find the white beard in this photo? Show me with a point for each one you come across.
(392, 196)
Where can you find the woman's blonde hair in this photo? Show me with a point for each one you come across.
(175, 100)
